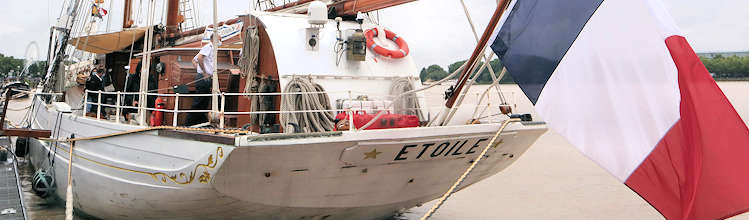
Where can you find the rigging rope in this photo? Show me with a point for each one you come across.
(476, 35)
(464, 92)
(130, 58)
(496, 82)
(468, 171)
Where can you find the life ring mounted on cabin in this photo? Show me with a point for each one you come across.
(400, 53)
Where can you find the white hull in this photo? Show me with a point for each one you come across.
(346, 175)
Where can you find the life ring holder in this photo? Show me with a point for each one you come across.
(400, 53)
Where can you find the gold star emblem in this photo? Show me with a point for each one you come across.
(372, 154)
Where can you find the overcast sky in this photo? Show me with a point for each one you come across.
(436, 30)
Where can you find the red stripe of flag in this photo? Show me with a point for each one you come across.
(700, 169)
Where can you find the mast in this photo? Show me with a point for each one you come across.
(465, 74)
(127, 20)
(173, 18)
(62, 42)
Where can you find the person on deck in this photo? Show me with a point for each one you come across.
(133, 85)
(203, 63)
(94, 83)
(107, 85)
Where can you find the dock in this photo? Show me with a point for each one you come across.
(11, 201)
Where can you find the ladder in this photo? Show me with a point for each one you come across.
(188, 10)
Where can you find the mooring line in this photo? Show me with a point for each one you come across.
(468, 171)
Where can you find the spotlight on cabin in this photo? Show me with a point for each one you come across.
(317, 16)
(317, 13)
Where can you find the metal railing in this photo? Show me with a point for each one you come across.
(221, 112)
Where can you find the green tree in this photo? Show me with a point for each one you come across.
(423, 74)
(8, 63)
(454, 66)
(727, 66)
(435, 72)
(37, 69)
(485, 77)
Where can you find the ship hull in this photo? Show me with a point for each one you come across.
(369, 174)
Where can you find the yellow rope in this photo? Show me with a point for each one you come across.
(11, 123)
(19, 109)
(209, 130)
(468, 171)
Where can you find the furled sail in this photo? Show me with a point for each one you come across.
(108, 42)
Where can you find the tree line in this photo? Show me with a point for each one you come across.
(721, 67)
(435, 72)
(727, 67)
(11, 65)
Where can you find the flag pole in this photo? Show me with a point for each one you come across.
(478, 51)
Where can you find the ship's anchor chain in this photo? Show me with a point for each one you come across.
(468, 171)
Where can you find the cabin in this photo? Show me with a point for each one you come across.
(269, 80)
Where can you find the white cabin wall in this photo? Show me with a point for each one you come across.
(288, 37)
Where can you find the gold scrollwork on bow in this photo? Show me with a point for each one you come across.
(183, 178)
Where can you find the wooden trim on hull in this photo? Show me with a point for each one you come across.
(197, 136)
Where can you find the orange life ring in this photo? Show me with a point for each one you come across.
(402, 52)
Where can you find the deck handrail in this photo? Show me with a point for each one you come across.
(222, 108)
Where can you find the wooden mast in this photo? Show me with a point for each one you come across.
(347, 7)
(127, 20)
(173, 18)
(351, 7)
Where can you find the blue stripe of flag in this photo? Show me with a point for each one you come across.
(535, 37)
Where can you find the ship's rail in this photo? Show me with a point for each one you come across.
(119, 104)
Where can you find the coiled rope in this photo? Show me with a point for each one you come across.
(409, 104)
(468, 171)
(448, 77)
(313, 97)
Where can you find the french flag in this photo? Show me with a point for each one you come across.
(619, 82)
